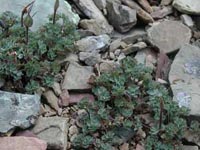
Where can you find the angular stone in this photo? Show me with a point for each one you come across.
(22, 143)
(42, 8)
(169, 36)
(93, 43)
(184, 78)
(165, 2)
(187, 6)
(89, 8)
(53, 130)
(76, 77)
(90, 58)
(17, 110)
(96, 26)
(145, 4)
(161, 13)
(123, 18)
(101, 4)
(108, 66)
(187, 20)
(77, 97)
(134, 47)
(184, 147)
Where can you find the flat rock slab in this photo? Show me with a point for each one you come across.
(184, 78)
(76, 77)
(17, 110)
(43, 8)
(191, 7)
(53, 130)
(169, 36)
(22, 143)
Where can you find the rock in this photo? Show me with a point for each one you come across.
(89, 8)
(22, 143)
(187, 20)
(77, 97)
(84, 33)
(18, 110)
(165, 2)
(90, 58)
(188, 7)
(120, 16)
(117, 52)
(161, 13)
(133, 36)
(124, 146)
(143, 15)
(108, 66)
(56, 88)
(96, 26)
(73, 130)
(76, 77)
(134, 47)
(145, 4)
(64, 98)
(184, 78)
(52, 99)
(184, 147)
(169, 36)
(71, 58)
(192, 137)
(93, 43)
(112, 55)
(26, 133)
(53, 130)
(101, 4)
(42, 9)
(114, 45)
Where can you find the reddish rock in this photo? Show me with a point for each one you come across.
(22, 143)
(75, 98)
(64, 98)
(26, 133)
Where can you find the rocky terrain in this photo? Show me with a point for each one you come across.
(161, 34)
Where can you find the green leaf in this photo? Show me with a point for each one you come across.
(102, 93)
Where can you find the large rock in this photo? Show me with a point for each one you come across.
(90, 58)
(169, 36)
(76, 77)
(184, 78)
(122, 17)
(42, 8)
(17, 110)
(22, 143)
(93, 43)
(53, 130)
(89, 8)
(187, 6)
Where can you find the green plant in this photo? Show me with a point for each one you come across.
(122, 98)
(29, 57)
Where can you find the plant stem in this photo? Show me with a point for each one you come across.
(26, 32)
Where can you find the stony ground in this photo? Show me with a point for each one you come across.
(163, 35)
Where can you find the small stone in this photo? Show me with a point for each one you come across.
(145, 4)
(114, 45)
(112, 55)
(187, 20)
(18, 110)
(124, 146)
(169, 36)
(133, 48)
(186, 147)
(64, 98)
(101, 4)
(73, 130)
(93, 43)
(90, 58)
(52, 99)
(108, 66)
(121, 56)
(76, 77)
(56, 88)
(117, 52)
(161, 13)
(53, 130)
(22, 143)
(165, 2)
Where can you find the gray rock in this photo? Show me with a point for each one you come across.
(90, 58)
(184, 78)
(76, 77)
(42, 8)
(93, 43)
(115, 44)
(186, 147)
(89, 8)
(53, 130)
(187, 20)
(165, 2)
(169, 36)
(96, 26)
(101, 4)
(17, 110)
(134, 47)
(108, 66)
(161, 13)
(187, 6)
(122, 17)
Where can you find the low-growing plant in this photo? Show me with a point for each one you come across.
(123, 98)
(31, 58)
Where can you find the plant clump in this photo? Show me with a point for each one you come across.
(128, 102)
(31, 59)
